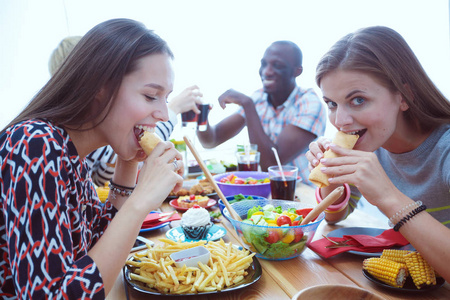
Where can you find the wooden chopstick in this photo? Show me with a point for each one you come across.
(208, 175)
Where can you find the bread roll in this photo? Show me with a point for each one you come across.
(149, 141)
(342, 139)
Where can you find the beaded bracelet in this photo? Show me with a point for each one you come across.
(120, 189)
(400, 213)
(409, 216)
(335, 208)
(121, 186)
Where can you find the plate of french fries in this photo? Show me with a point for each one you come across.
(153, 272)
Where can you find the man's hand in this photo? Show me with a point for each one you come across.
(232, 96)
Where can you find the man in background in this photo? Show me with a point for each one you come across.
(281, 114)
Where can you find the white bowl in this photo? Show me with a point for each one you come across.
(191, 257)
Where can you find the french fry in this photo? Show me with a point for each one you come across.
(227, 266)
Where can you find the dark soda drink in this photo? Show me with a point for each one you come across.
(252, 166)
(284, 190)
(203, 116)
(189, 116)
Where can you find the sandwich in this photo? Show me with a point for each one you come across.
(148, 141)
(341, 139)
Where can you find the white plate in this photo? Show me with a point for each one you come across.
(364, 231)
(215, 233)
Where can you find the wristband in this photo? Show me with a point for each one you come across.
(394, 219)
(411, 214)
(335, 208)
(112, 183)
(120, 189)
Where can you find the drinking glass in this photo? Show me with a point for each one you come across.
(283, 189)
(248, 161)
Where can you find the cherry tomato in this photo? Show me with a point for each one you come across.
(239, 181)
(284, 220)
(298, 235)
(273, 237)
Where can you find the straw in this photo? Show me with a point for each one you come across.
(247, 154)
(279, 165)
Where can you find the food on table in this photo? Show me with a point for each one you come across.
(240, 197)
(342, 139)
(179, 145)
(394, 266)
(395, 255)
(279, 239)
(203, 187)
(196, 223)
(191, 200)
(420, 271)
(215, 167)
(103, 191)
(154, 268)
(148, 141)
(214, 216)
(181, 192)
(387, 271)
(233, 179)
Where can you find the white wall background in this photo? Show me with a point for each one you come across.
(217, 44)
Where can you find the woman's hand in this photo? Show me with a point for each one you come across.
(316, 151)
(161, 173)
(361, 169)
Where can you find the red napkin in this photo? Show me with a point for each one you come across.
(152, 220)
(362, 243)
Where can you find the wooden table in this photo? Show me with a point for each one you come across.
(283, 279)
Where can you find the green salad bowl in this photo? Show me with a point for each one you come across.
(270, 242)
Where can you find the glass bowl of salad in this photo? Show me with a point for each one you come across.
(271, 229)
(237, 198)
(244, 182)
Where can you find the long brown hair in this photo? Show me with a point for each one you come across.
(98, 62)
(383, 53)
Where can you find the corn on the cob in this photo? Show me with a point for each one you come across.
(395, 255)
(421, 272)
(103, 192)
(390, 272)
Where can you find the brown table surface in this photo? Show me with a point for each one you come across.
(283, 279)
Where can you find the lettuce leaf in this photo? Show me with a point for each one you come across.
(252, 210)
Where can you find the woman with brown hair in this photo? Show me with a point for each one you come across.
(56, 239)
(375, 87)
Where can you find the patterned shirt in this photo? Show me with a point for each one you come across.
(51, 216)
(303, 109)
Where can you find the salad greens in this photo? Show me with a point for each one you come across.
(273, 237)
(240, 197)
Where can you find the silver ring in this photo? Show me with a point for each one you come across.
(175, 164)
